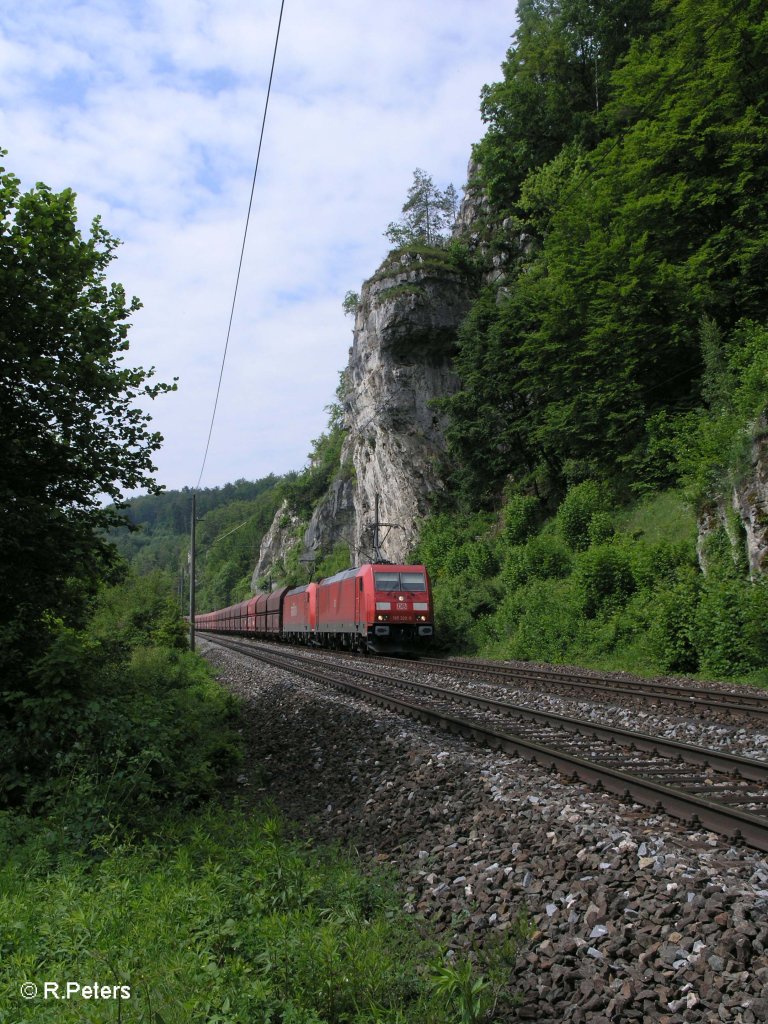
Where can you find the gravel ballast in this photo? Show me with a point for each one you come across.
(634, 917)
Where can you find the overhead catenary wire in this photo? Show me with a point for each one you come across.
(242, 248)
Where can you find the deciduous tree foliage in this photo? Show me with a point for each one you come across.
(73, 429)
(632, 239)
(556, 82)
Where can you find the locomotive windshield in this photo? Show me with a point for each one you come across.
(413, 581)
(387, 580)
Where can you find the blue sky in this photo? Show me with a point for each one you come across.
(151, 112)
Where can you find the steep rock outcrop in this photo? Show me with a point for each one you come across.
(333, 521)
(470, 224)
(401, 358)
(277, 542)
(744, 515)
(750, 501)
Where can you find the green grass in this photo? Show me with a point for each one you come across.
(660, 517)
(215, 919)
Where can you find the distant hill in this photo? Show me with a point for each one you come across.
(232, 521)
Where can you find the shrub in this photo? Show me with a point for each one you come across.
(139, 610)
(604, 576)
(732, 625)
(514, 572)
(446, 540)
(600, 527)
(459, 607)
(456, 561)
(540, 621)
(521, 515)
(656, 566)
(672, 633)
(482, 561)
(127, 724)
(543, 557)
(547, 557)
(583, 503)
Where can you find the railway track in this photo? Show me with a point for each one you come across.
(710, 789)
(751, 703)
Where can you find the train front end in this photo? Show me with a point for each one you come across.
(399, 615)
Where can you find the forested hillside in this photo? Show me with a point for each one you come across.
(231, 524)
(627, 204)
(607, 444)
(232, 521)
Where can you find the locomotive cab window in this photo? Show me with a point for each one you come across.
(412, 581)
(387, 580)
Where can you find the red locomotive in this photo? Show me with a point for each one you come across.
(375, 607)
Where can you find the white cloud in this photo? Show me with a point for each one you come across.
(151, 109)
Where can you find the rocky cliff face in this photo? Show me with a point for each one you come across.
(746, 522)
(333, 521)
(400, 359)
(750, 501)
(277, 542)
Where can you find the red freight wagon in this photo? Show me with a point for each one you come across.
(274, 623)
(250, 619)
(376, 607)
(260, 615)
(240, 617)
(300, 614)
(225, 621)
(234, 619)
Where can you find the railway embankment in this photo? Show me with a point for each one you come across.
(632, 916)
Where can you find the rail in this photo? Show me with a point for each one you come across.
(583, 750)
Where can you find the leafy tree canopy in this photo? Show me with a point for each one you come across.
(73, 428)
(428, 213)
(556, 83)
(631, 242)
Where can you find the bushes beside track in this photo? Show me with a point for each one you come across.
(596, 584)
(118, 719)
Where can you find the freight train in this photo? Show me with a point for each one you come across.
(376, 607)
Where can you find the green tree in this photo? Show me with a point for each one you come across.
(71, 417)
(660, 224)
(427, 213)
(350, 303)
(555, 85)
